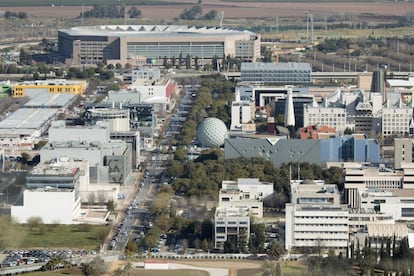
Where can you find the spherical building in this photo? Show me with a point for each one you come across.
(154, 44)
(212, 132)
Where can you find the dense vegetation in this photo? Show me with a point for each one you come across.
(12, 15)
(204, 175)
(196, 12)
(105, 11)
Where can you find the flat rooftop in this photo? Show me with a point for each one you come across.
(28, 118)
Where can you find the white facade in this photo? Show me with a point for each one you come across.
(242, 116)
(52, 205)
(323, 227)
(315, 218)
(154, 91)
(334, 117)
(146, 72)
(395, 120)
(246, 193)
(253, 186)
(231, 222)
(397, 203)
(59, 132)
(374, 178)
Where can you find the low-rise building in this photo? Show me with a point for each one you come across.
(232, 225)
(245, 193)
(30, 88)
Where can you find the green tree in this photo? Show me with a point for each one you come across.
(134, 12)
(110, 205)
(276, 250)
(188, 62)
(268, 268)
(34, 222)
(130, 249)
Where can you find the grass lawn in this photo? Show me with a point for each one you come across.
(81, 236)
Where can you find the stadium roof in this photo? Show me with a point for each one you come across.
(157, 30)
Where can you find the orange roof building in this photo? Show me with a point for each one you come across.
(316, 132)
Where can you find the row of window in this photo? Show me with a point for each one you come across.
(206, 51)
(321, 217)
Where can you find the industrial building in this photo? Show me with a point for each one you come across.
(25, 127)
(315, 218)
(110, 161)
(152, 44)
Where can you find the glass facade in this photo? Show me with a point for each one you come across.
(159, 50)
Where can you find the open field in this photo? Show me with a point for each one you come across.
(80, 236)
(232, 10)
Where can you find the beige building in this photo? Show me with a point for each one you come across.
(152, 44)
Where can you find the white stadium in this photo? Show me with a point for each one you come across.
(153, 44)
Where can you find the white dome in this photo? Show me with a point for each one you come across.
(211, 132)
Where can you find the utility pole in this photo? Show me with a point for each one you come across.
(307, 27)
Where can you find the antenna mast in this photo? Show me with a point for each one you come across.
(221, 18)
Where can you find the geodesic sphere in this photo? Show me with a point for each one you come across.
(211, 132)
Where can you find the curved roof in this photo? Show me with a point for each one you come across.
(146, 30)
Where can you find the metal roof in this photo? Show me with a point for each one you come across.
(50, 100)
(28, 118)
(149, 30)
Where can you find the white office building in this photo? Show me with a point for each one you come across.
(334, 117)
(369, 178)
(247, 193)
(315, 218)
(242, 114)
(398, 203)
(396, 120)
(231, 224)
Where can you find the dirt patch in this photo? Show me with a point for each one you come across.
(235, 10)
(247, 272)
(234, 264)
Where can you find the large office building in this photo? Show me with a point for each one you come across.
(110, 161)
(275, 73)
(333, 117)
(315, 218)
(152, 44)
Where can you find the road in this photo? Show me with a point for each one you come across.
(136, 220)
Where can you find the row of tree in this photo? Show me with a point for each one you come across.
(12, 15)
(196, 12)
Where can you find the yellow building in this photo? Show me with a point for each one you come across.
(50, 86)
